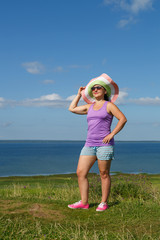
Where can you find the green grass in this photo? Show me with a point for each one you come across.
(155, 179)
(36, 208)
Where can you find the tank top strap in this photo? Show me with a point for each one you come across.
(105, 104)
(91, 107)
(104, 107)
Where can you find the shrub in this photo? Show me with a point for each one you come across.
(129, 186)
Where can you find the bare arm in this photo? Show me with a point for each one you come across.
(114, 110)
(78, 109)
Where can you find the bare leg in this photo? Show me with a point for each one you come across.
(84, 165)
(104, 169)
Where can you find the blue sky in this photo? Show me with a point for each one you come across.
(50, 48)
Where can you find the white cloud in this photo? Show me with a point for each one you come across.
(140, 5)
(49, 97)
(146, 101)
(34, 67)
(124, 22)
(70, 98)
(43, 101)
(6, 124)
(5, 102)
(156, 124)
(62, 69)
(104, 61)
(132, 8)
(58, 69)
(2, 101)
(55, 100)
(67, 68)
(51, 100)
(48, 81)
(121, 97)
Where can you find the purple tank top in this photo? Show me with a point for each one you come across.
(99, 124)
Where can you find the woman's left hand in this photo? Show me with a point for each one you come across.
(108, 138)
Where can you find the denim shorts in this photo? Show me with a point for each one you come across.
(102, 152)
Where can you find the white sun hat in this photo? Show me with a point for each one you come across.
(105, 81)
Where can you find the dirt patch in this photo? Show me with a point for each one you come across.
(8, 205)
(36, 210)
(42, 211)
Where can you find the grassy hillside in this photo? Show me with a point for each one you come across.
(33, 208)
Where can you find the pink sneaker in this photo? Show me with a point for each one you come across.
(102, 207)
(78, 205)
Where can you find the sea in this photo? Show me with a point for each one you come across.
(31, 158)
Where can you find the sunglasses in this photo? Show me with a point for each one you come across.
(98, 88)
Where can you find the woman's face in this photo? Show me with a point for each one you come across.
(98, 91)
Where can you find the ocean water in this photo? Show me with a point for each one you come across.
(27, 158)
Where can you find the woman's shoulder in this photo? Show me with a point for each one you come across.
(110, 106)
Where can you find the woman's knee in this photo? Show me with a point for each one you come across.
(104, 174)
(81, 173)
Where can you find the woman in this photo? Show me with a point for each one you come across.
(99, 142)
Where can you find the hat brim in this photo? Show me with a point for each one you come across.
(105, 81)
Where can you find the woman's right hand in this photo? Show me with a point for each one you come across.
(83, 109)
(80, 90)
